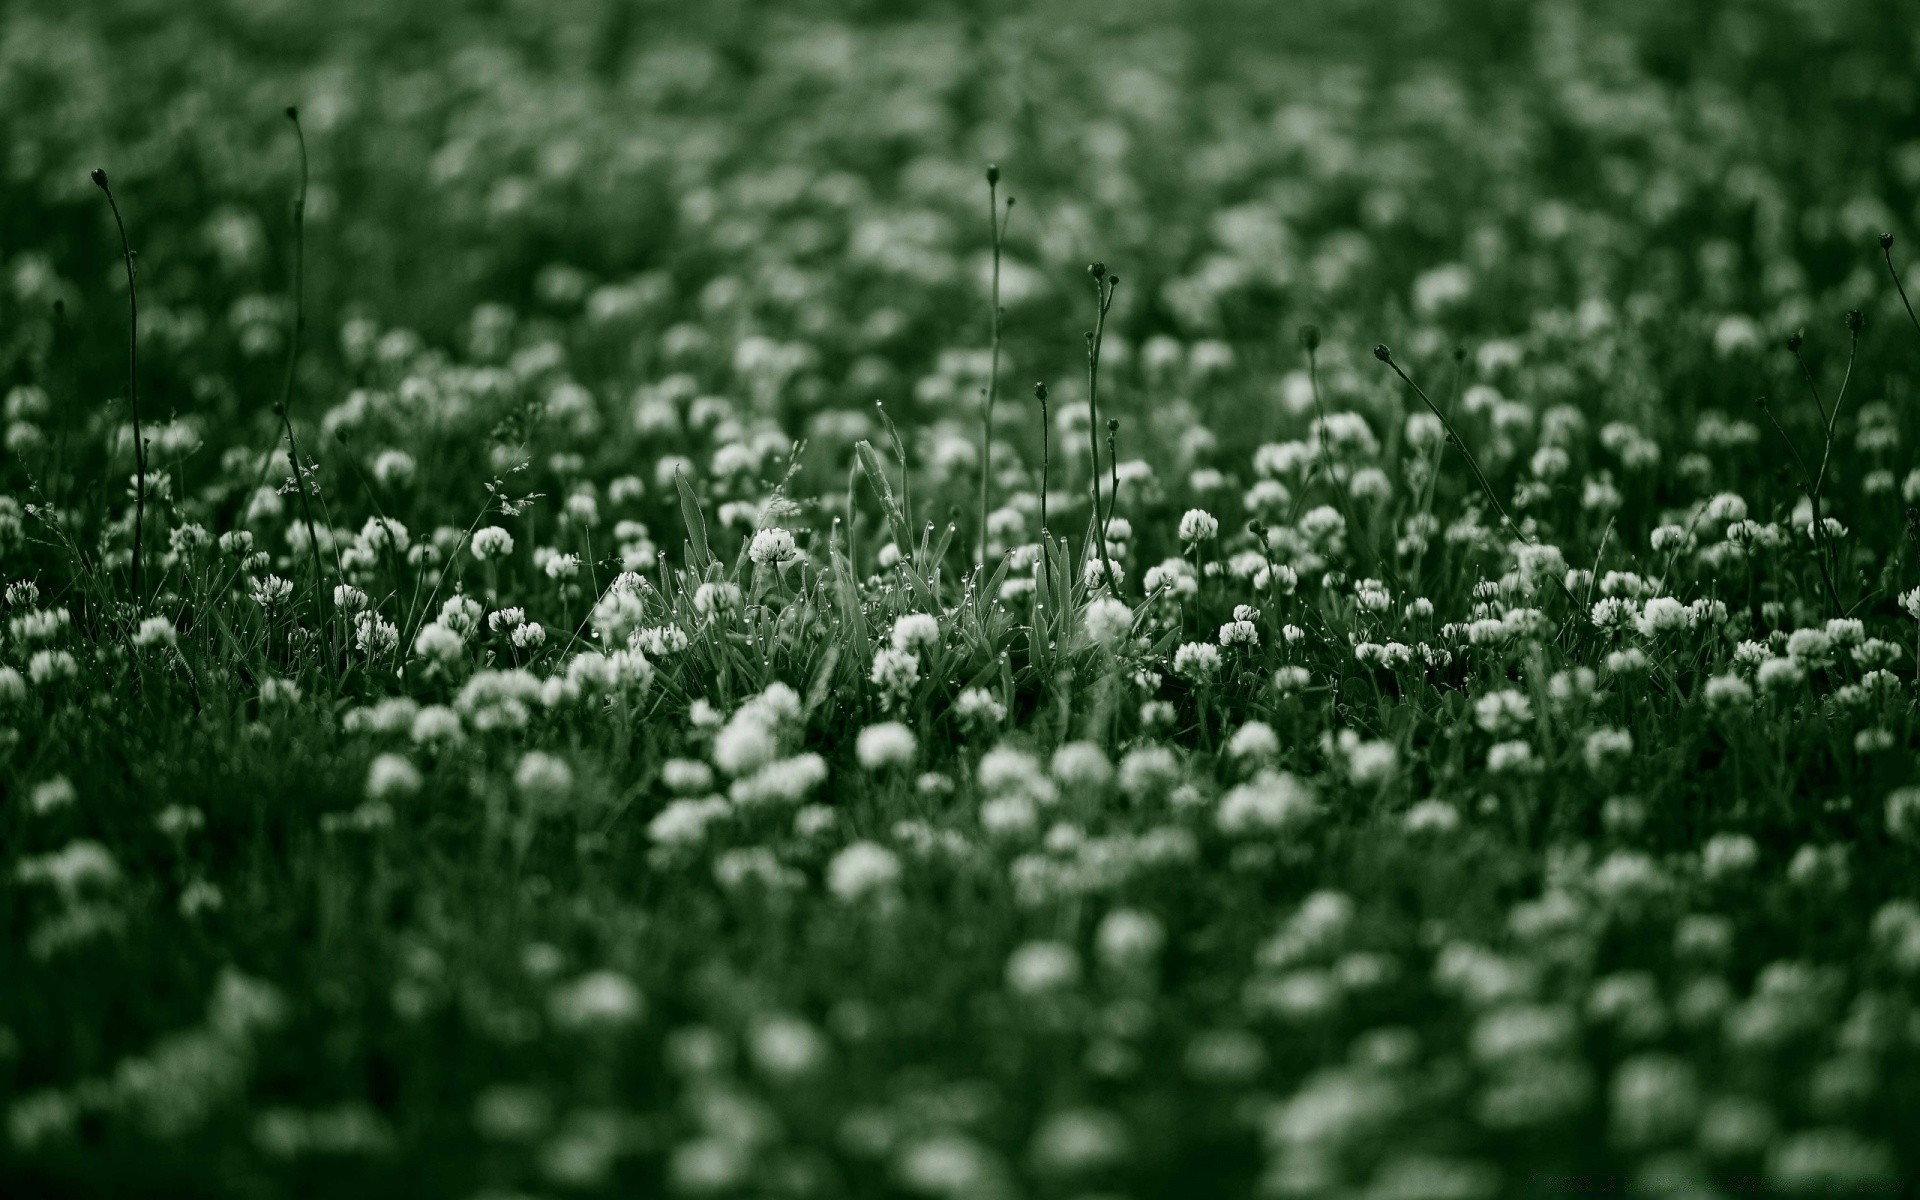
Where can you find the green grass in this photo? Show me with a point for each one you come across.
(638, 750)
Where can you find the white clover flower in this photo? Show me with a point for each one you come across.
(1661, 614)
(1037, 968)
(601, 1000)
(491, 543)
(914, 633)
(1254, 741)
(1128, 940)
(895, 672)
(1504, 711)
(532, 635)
(1511, 758)
(271, 590)
(1903, 813)
(783, 781)
(1780, 675)
(1082, 765)
(436, 725)
(1199, 525)
(885, 745)
(978, 707)
(154, 632)
(52, 795)
(542, 779)
(684, 822)
(744, 744)
(1290, 680)
(349, 599)
(1370, 762)
(1196, 662)
(1271, 802)
(1094, 573)
(1432, 816)
(786, 1047)
(392, 777)
(712, 599)
(461, 614)
(1010, 770)
(374, 636)
(772, 547)
(1606, 747)
(861, 870)
(438, 644)
(1108, 621)
(1239, 633)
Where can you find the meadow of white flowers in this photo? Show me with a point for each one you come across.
(1063, 600)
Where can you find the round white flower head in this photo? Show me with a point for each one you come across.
(772, 547)
(155, 631)
(1040, 967)
(392, 777)
(1108, 621)
(1254, 740)
(1196, 662)
(1199, 525)
(1128, 939)
(861, 870)
(542, 778)
(744, 744)
(600, 1000)
(491, 543)
(887, 744)
(915, 632)
(1082, 765)
(437, 643)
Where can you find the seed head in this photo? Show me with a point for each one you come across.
(293, 112)
(1310, 338)
(1382, 353)
(1886, 241)
(1040, 392)
(1097, 270)
(1855, 320)
(1795, 342)
(99, 178)
(993, 174)
(1113, 425)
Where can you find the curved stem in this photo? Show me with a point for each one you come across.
(133, 388)
(298, 288)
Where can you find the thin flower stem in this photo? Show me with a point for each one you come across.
(1103, 289)
(997, 229)
(1886, 251)
(298, 291)
(133, 387)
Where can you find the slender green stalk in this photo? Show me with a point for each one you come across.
(1310, 342)
(1386, 356)
(1046, 455)
(133, 386)
(1886, 251)
(1104, 286)
(1806, 477)
(297, 287)
(997, 230)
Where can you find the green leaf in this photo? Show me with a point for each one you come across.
(696, 524)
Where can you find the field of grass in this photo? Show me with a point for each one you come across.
(960, 600)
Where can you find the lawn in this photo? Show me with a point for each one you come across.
(960, 600)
